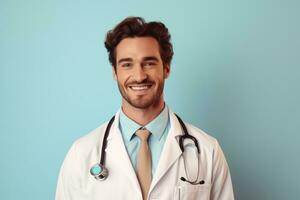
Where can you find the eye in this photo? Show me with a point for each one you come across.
(126, 65)
(149, 63)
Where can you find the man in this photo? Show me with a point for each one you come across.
(144, 156)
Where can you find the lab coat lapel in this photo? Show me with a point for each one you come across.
(116, 149)
(171, 150)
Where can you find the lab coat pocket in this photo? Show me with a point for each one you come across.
(192, 192)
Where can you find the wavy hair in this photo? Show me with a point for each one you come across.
(132, 27)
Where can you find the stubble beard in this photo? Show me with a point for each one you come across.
(140, 103)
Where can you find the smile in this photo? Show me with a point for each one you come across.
(140, 87)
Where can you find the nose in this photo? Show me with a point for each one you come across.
(139, 74)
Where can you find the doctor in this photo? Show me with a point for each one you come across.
(142, 154)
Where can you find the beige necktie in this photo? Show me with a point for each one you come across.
(144, 162)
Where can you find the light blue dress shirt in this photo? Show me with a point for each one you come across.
(159, 128)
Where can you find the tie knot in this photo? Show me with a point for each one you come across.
(143, 134)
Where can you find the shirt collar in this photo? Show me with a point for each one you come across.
(157, 126)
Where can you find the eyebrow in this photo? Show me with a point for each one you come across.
(150, 58)
(125, 60)
(147, 58)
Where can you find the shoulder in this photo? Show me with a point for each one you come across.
(202, 137)
(205, 141)
(90, 140)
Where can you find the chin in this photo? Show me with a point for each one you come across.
(141, 105)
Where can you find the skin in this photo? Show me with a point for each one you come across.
(140, 75)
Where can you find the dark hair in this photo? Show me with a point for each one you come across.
(137, 27)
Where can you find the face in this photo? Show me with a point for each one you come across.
(139, 72)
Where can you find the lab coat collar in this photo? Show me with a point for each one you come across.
(115, 127)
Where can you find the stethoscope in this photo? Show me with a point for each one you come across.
(100, 172)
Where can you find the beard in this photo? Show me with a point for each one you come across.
(140, 102)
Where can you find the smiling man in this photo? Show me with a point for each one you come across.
(145, 151)
(140, 74)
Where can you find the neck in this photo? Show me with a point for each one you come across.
(142, 116)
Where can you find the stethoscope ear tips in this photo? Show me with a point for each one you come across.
(99, 172)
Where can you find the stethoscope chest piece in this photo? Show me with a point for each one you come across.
(99, 172)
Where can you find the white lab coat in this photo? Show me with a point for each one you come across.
(76, 183)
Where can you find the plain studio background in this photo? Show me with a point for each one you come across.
(235, 74)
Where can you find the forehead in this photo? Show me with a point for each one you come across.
(137, 48)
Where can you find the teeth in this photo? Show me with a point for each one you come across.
(139, 87)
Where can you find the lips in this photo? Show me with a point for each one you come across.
(140, 87)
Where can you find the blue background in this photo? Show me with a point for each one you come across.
(235, 74)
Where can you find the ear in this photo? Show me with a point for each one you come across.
(114, 73)
(167, 71)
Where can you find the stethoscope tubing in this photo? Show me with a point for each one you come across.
(104, 141)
